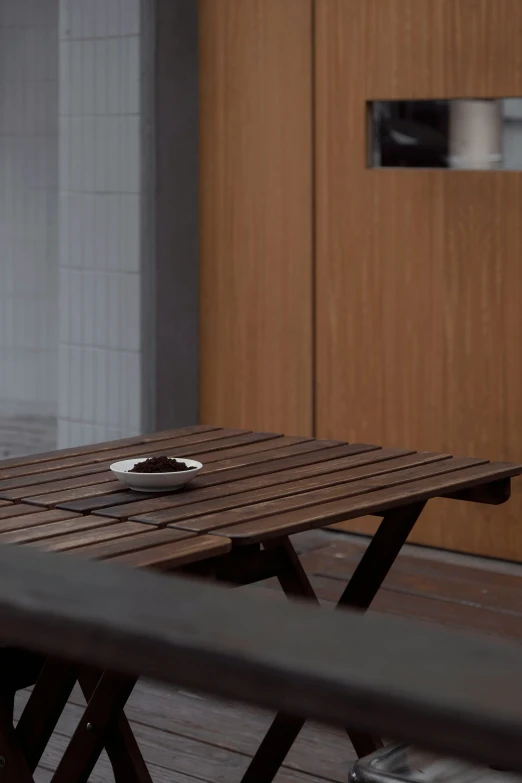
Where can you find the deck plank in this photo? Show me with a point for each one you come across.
(422, 576)
(171, 758)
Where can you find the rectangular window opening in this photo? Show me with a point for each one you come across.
(446, 134)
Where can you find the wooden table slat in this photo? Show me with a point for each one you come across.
(62, 527)
(349, 487)
(16, 510)
(20, 493)
(146, 539)
(169, 508)
(179, 432)
(229, 473)
(228, 460)
(39, 517)
(176, 554)
(212, 451)
(70, 489)
(77, 539)
(4, 503)
(313, 477)
(275, 469)
(94, 448)
(98, 503)
(208, 514)
(372, 502)
(105, 488)
(223, 436)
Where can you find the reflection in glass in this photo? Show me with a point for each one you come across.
(458, 134)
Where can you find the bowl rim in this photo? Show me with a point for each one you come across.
(136, 460)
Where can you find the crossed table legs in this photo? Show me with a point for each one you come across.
(104, 725)
(359, 593)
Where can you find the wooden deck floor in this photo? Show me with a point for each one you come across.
(187, 738)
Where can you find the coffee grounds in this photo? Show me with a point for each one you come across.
(160, 465)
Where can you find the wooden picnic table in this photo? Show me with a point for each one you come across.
(231, 524)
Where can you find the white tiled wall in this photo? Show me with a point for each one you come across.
(28, 207)
(99, 207)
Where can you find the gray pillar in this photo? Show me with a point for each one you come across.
(173, 327)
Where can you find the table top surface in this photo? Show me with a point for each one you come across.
(253, 486)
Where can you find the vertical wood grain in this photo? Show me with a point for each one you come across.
(256, 214)
(419, 297)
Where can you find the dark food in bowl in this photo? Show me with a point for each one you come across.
(160, 465)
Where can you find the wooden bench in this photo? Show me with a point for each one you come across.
(453, 692)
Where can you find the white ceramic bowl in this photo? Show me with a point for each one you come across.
(155, 482)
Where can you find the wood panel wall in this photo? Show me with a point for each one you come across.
(256, 214)
(419, 299)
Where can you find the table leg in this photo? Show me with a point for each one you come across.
(380, 555)
(13, 764)
(7, 698)
(100, 716)
(292, 576)
(359, 593)
(43, 710)
(120, 743)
